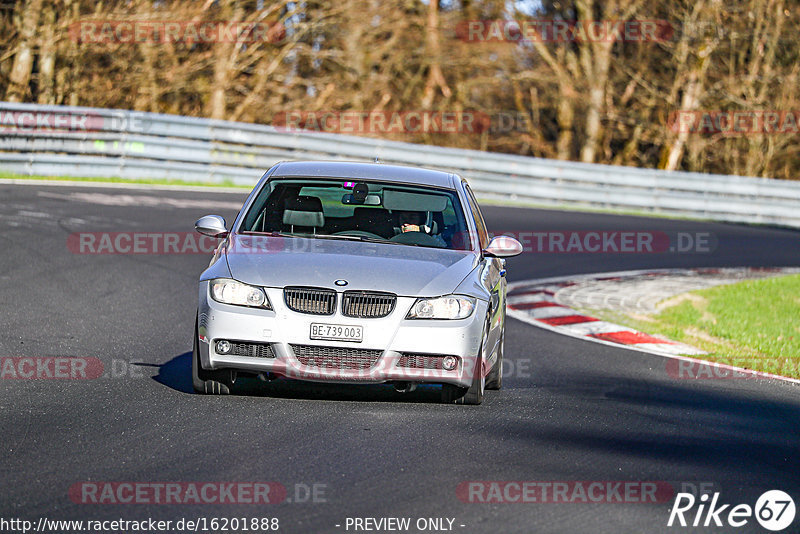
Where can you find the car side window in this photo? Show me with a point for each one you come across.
(483, 235)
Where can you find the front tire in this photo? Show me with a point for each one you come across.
(204, 381)
(451, 393)
(474, 394)
(494, 380)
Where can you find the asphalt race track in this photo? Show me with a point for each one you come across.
(570, 410)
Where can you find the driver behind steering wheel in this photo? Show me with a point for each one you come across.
(412, 221)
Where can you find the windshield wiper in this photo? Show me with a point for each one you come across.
(331, 236)
(276, 233)
(386, 241)
(268, 234)
(363, 238)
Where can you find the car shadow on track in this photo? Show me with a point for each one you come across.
(177, 374)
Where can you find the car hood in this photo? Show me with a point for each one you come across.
(404, 270)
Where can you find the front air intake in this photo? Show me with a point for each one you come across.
(336, 357)
(367, 305)
(315, 301)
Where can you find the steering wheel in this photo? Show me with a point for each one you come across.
(417, 238)
(358, 233)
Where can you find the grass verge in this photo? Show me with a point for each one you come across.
(752, 324)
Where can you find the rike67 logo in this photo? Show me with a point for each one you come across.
(774, 510)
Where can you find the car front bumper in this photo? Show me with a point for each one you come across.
(392, 336)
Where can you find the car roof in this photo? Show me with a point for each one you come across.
(374, 171)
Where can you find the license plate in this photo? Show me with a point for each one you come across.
(336, 332)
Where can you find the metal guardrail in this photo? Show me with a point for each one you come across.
(78, 141)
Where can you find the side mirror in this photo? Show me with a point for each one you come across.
(211, 225)
(503, 246)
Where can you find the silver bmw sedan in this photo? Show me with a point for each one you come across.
(354, 273)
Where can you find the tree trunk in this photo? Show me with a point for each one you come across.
(19, 81)
(48, 46)
(435, 76)
(224, 65)
(673, 152)
(566, 119)
(595, 59)
(598, 78)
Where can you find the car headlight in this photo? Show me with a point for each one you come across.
(449, 307)
(229, 291)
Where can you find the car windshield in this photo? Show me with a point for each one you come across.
(359, 210)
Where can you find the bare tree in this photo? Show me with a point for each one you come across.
(29, 12)
(434, 52)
